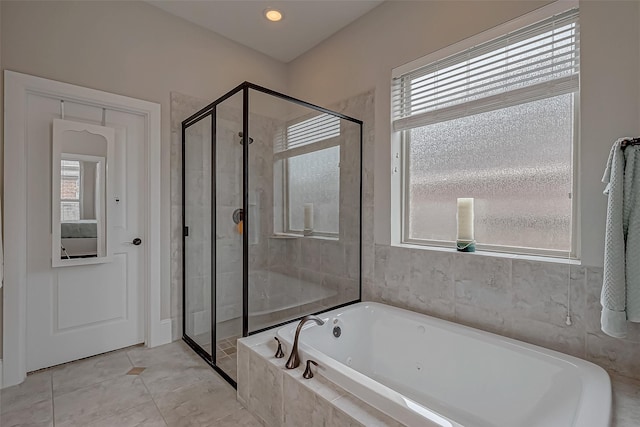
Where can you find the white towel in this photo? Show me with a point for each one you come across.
(620, 297)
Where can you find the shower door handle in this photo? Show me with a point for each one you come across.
(238, 215)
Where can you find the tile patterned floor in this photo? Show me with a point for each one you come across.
(176, 388)
(226, 356)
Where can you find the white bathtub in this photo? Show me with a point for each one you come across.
(424, 371)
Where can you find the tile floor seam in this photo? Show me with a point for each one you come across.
(154, 401)
(130, 361)
(53, 407)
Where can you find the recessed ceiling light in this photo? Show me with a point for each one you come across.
(273, 15)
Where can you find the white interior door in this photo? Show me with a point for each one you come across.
(79, 311)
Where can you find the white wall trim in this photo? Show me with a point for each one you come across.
(17, 85)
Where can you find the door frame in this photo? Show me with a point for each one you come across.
(16, 88)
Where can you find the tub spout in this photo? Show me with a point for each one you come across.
(294, 358)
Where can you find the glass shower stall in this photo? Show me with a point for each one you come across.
(271, 189)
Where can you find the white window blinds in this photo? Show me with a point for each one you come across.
(315, 129)
(535, 62)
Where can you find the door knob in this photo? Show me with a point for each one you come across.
(137, 241)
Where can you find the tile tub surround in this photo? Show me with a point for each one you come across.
(281, 397)
(176, 388)
(521, 299)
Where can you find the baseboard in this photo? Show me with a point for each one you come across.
(162, 334)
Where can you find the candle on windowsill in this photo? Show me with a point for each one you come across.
(465, 238)
(308, 218)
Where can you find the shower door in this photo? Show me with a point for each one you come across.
(213, 227)
(229, 223)
(197, 213)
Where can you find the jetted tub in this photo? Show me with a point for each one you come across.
(424, 371)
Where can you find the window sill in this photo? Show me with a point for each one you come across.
(286, 236)
(539, 258)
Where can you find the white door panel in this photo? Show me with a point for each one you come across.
(78, 302)
(78, 311)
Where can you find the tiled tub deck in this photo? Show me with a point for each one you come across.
(277, 396)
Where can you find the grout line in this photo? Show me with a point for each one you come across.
(130, 361)
(153, 400)
(53, 406)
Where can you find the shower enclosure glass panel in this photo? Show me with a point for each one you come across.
(304, 207)
(271, 208)
(198, 266)
(229, 228)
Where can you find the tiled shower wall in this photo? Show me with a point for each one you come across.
(334, 263)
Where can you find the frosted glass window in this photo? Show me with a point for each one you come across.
(494, 121)
(315, 178)
(517, 164)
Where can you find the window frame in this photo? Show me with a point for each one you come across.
(288, 153)
(400, 211)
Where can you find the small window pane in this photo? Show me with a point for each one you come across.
(70, 179)
(69, 211)
(315, 178)
(516, 163)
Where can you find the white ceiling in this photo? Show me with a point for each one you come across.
(306, 22)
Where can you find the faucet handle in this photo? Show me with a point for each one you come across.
(307, 372)
(279, 353)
